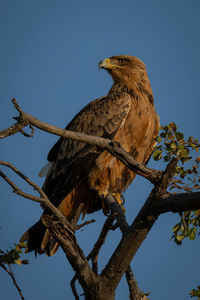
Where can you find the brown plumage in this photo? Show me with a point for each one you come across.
(85, 173)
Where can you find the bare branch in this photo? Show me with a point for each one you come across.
(10, 273)
(177, 203)
(13, 129)
(183, 222)
(138, 231)
(77, 227)
(43, 199)
(133, 286)
(109, 145)
(28, 134)
(60, 229)
(73, 253)
(73, 287)
(99, 243)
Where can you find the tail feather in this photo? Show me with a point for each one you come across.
(34, 236)
(38, 237)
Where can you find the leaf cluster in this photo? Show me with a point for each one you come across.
(171, 143)
(12, 256)
(189, 227)
(195, 293)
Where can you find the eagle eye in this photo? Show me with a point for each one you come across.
(122, 60)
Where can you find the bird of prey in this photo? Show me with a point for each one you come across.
(82, 173)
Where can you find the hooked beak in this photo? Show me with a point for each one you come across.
(104, 64)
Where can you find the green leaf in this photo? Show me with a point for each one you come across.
(157, 155)
(192, 234)
(163, 134)
(179, 237)
(170, 135)
(176, 227)
(18, 262)
(179, 136)
(158, 139)
(166, 158)
(172, 126)
(173, 145)
(186, 214)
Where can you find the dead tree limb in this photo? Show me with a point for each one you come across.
(106, 144)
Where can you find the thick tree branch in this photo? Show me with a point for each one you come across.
(177, 203)
(109, 145)
(138, 231)
(73, 253)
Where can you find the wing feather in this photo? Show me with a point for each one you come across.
(72, 160)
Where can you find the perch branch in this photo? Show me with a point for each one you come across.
(176, 203)
(109, 145)
(138, 231)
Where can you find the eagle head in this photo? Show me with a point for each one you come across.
(127, 71)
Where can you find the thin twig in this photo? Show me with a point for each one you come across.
(73, 287)
(183, 222)
(43, 199)
(185, 188)
(10, 273)
(28, 134)
(77, 227)
(99, 243)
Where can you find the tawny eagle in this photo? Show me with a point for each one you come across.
(85, 173)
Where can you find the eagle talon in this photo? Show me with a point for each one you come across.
(120, 200)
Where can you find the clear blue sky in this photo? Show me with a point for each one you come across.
(49, 52)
